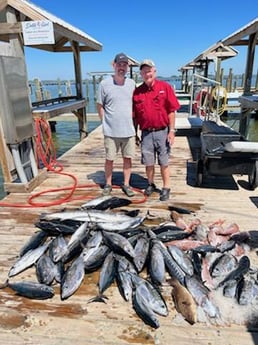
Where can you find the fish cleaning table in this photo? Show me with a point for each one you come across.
(225, 152)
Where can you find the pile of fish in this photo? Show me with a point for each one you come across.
(196, 261)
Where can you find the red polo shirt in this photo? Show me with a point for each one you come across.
(152, 105)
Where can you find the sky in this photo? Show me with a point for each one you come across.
(171, 33)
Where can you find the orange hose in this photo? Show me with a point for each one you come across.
(46, 153)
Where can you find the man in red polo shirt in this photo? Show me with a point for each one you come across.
(154, 105)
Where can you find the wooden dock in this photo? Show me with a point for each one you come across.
(75, 321)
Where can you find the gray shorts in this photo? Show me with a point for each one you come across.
(113, 145)
(155, 146)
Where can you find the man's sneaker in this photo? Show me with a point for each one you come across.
(150, 189)
(127, 190)
(107, 190)
(164, 194)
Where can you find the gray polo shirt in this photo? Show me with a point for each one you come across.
(117, 103)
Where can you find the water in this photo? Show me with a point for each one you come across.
(66, 88)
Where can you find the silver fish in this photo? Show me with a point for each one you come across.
(201, 232)
(130, 223)
(223, 265)
(111, 203)
(60, 269)
(174, 270)
(93, 216)
(156, 264)
(118, 243)
(143, 309)
(182, 259)
(72, 278)
(107, 273)
(45, 270)
(78, 235)
(241, 269)
(230, 288)
(151, 295)
(57, 248)
(201, 296)
(27, 260)
(92, 244)
(124, 269)
(32, 290)
(37, 239)
(74, 245)
(96, 257)
(141, 250)
(247, 290)
(56, 227)
(95, 202)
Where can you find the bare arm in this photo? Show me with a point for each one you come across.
(100, 110)
(172, 130)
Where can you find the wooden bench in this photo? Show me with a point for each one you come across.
(48, 109)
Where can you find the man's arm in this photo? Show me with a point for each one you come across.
(100, 110)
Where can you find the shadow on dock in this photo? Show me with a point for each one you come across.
(136, 181)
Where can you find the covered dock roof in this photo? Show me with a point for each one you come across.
(246, 36)
(242, 36)
(64, 33)
(218, 50)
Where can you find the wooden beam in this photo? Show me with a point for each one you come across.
(5, 157)
(238, 38)
(3, 5)
(10, 28)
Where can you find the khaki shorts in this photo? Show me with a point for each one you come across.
(112, 146)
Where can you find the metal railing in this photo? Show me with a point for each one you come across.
(201, 90)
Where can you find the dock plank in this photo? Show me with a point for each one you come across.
(55, 322)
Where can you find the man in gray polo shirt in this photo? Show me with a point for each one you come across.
(114, 105)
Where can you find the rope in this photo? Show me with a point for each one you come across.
(46, 155)
(218, 101)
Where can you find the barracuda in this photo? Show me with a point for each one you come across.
(87, 216)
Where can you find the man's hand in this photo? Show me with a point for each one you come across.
(137, 140)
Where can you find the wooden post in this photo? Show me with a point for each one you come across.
(81, 113)
(243, 81)
(246, 113)
(59, 87)
(230, 76)
(94, 87)
(68, 88)
(6, 164)
(221, 75)
(87, 90)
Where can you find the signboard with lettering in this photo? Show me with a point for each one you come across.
(38, 32)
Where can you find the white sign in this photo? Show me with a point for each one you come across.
(38, 32)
